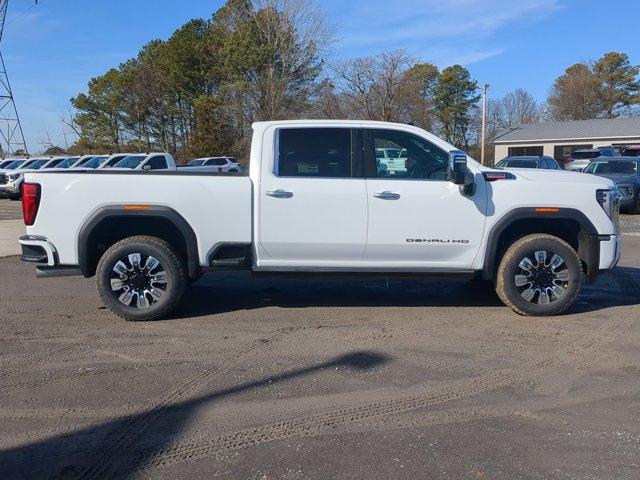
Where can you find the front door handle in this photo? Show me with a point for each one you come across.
(280, 194)
(387, 195)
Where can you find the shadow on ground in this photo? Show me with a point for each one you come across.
(231, 291)
(118, 448)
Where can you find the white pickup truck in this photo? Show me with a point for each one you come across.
(317, 201)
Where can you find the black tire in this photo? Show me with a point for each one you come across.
(161, 287)
(636, 208)
(233, 170)
(515, 284)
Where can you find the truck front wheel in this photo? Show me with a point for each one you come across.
(539, 275)
(141, 278)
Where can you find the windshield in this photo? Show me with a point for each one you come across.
(68, 162)
(84, 161)
(584, 155)
(612, 167)
(94, 162)
(113, 161)
(196, 163)
(132, 161)
(26, 164)
(15, 164)
(517, 164)
(38, 164)
(54, 163)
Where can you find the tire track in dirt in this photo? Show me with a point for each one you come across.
(377, 411)
(125, 437)
(20, 367)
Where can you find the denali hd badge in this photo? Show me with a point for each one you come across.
(434, 240)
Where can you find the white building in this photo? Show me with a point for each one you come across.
(560, 139)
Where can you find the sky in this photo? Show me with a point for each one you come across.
(52, 49)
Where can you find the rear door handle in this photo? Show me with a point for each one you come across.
(280, 194)
(387, 195)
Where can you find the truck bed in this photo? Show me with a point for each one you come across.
(217, 207)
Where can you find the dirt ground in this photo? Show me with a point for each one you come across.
(317, 379)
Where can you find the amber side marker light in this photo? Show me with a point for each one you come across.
(547, 210)
(136, 207)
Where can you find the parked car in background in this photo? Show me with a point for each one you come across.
(68, 162)
(216, 164)
(391, 160)
(546, 163)
(625, 172)
(8, 161)
(112, 159)
(147, 161)
(12, 178)
(631, 151)
(90, 161)
(579, 159)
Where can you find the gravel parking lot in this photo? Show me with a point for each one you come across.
(297, 379)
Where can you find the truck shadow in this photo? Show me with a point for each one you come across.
(234, 291)
(121, 447)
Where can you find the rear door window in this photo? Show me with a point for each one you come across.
(314, 152)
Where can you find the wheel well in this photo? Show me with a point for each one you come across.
(567, 229)
(110, 230)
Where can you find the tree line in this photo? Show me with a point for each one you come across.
(198, 92)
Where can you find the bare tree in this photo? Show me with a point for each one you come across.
(372, 87)
(519, 107)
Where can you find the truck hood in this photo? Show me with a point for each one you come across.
(562, 176)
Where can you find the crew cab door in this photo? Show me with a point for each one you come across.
(417, 218)
(312, 198)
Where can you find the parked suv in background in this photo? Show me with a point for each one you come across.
(546, 163)
(216, 164)
(625, 172)
(579, 159)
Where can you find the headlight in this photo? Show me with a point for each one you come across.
(609, 200)
(625, 190)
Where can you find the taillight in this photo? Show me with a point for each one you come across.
(30, 202)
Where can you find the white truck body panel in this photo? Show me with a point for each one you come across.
(217, 208)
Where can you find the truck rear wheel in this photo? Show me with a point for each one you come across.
(539, 275)
(141, 278)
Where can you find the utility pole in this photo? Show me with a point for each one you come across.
(484, 122)
(11, 134)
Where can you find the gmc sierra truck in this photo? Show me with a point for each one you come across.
(318, 200)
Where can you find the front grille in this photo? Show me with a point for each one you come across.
(4, 179)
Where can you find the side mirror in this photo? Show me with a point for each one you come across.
(146, 167)
(459, 173)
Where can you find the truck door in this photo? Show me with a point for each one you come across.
(416, 217)
(312, 198)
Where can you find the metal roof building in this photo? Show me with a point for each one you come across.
(560, 139)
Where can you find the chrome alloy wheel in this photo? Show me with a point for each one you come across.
(138, 281)
(542, 279)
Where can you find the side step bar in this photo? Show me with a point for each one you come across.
(58, 271)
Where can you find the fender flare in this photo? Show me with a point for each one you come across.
(589, 253)
(150, 211)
